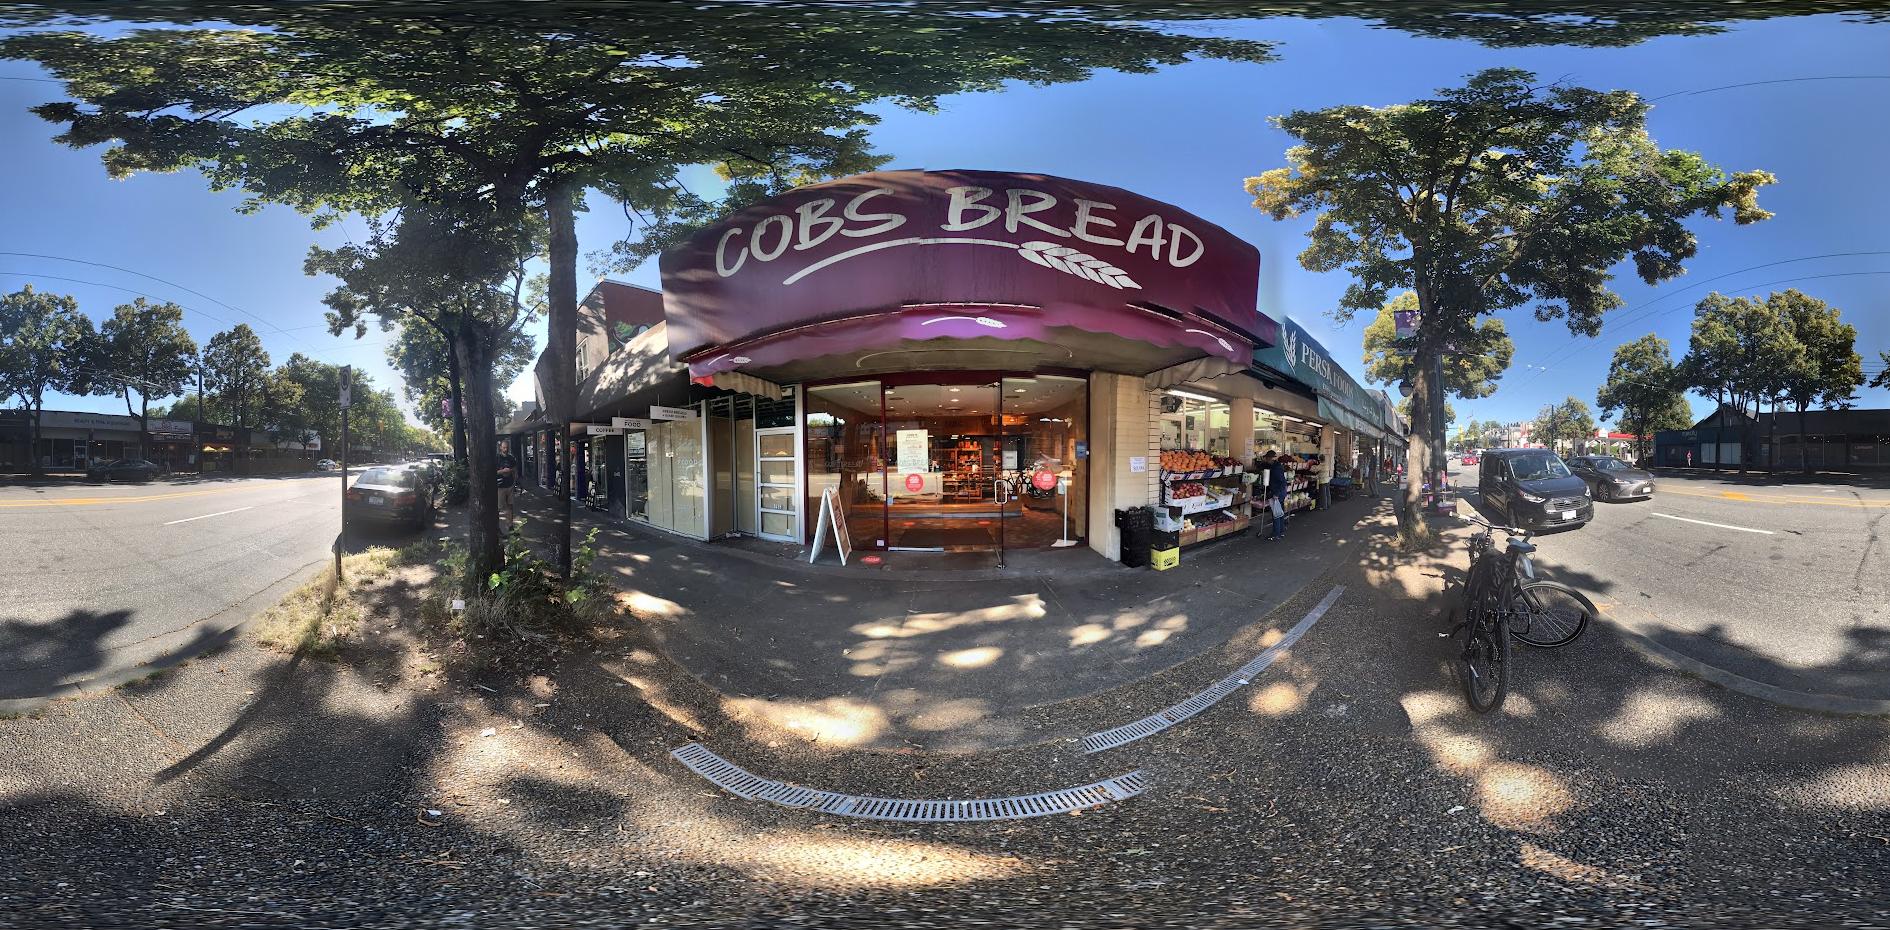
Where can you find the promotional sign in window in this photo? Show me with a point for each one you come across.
(913, 455)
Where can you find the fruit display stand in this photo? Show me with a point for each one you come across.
(1203, 503)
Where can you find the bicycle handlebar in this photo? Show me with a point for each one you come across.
(1510, 530)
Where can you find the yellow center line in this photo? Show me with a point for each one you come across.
(1772, 499)
(139, 499)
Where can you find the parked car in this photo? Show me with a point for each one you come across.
(1611, 479)
(391, 494)
(1534, 488)
(327, 465)
(124, 470)
(1470, 458)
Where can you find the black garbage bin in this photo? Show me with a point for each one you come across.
(1138, 528)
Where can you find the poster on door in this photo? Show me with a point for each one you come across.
(912, 451)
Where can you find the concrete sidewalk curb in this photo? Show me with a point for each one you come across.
(1815, 702)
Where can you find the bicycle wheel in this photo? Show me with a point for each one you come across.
(1549, 614)
(1483, 665)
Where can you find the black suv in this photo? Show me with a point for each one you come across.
(1533, 488)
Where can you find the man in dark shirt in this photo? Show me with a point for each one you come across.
(1275, 465)
(508, 476)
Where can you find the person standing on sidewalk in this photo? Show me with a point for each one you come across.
(508, 477)
(1275, 465)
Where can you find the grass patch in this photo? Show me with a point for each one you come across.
(324, 613)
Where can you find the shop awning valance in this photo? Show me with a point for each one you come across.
(1347, 420)
(642, 363)
(1057, 324)
(744, 383)
(1199, 369)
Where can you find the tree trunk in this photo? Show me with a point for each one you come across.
(1804, 450)
(457, 423)
(561, 345)
(32, 449)
(484, 546)
(1771, 442)
(1426, 433)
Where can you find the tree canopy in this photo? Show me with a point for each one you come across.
(44, 341)
(144, 350)
(1490, 196)
(1644, 392)
(235, 371)
(1569, 421)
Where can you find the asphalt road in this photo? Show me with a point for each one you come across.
(102, 579)
(1788, 585)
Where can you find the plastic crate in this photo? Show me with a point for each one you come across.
(1162, 560)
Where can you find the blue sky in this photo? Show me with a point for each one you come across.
(1188, 135)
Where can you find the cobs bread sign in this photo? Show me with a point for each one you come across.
(967, 210)
(876, 242)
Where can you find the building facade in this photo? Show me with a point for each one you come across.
(944, 361)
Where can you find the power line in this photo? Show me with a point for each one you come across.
(151, 277)
(1795, 80)
(210, 316)
(1576, 345)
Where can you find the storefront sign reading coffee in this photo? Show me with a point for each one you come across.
(1078, 252)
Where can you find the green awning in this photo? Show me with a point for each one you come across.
(1347, 420)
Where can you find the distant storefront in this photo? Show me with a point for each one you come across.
(172, 443)
(1830, 440)
(16, 438)
(76, 440)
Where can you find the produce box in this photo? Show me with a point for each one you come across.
(1162, 560)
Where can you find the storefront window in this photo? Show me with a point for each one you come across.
(1046, 419)
(1196, 423)
(843, 453)
(1279, 432)
(951, 466)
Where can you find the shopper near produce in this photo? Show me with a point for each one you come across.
(1275, 465)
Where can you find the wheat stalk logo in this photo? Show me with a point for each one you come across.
(1070, 261)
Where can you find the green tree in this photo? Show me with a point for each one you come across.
(1644, 392)
(463, 281)
(143, 349)
(431, 378)
(1823, 367)
(1738, 353)
(1492, 195)
(235, 367)
(1471, 367)
(43, 344)
(1883, 377)
(1569, 421)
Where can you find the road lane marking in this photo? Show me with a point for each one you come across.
(137, 499)
(1864, 503)
(209, 515)
(1723, 526)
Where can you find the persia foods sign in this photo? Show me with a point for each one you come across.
(876, 242)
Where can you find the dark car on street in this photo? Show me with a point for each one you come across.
(1533, 488)
(125, 470)
(1611, 479)
(391, 494)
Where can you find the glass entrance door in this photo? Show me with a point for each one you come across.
(943, 446)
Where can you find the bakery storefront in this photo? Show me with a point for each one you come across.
(964, 359)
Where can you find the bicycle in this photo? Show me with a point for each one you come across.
(1503, 598)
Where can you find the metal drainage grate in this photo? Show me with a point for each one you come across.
(749, 786)
(1162, 720)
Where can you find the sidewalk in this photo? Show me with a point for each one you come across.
(911, 657)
